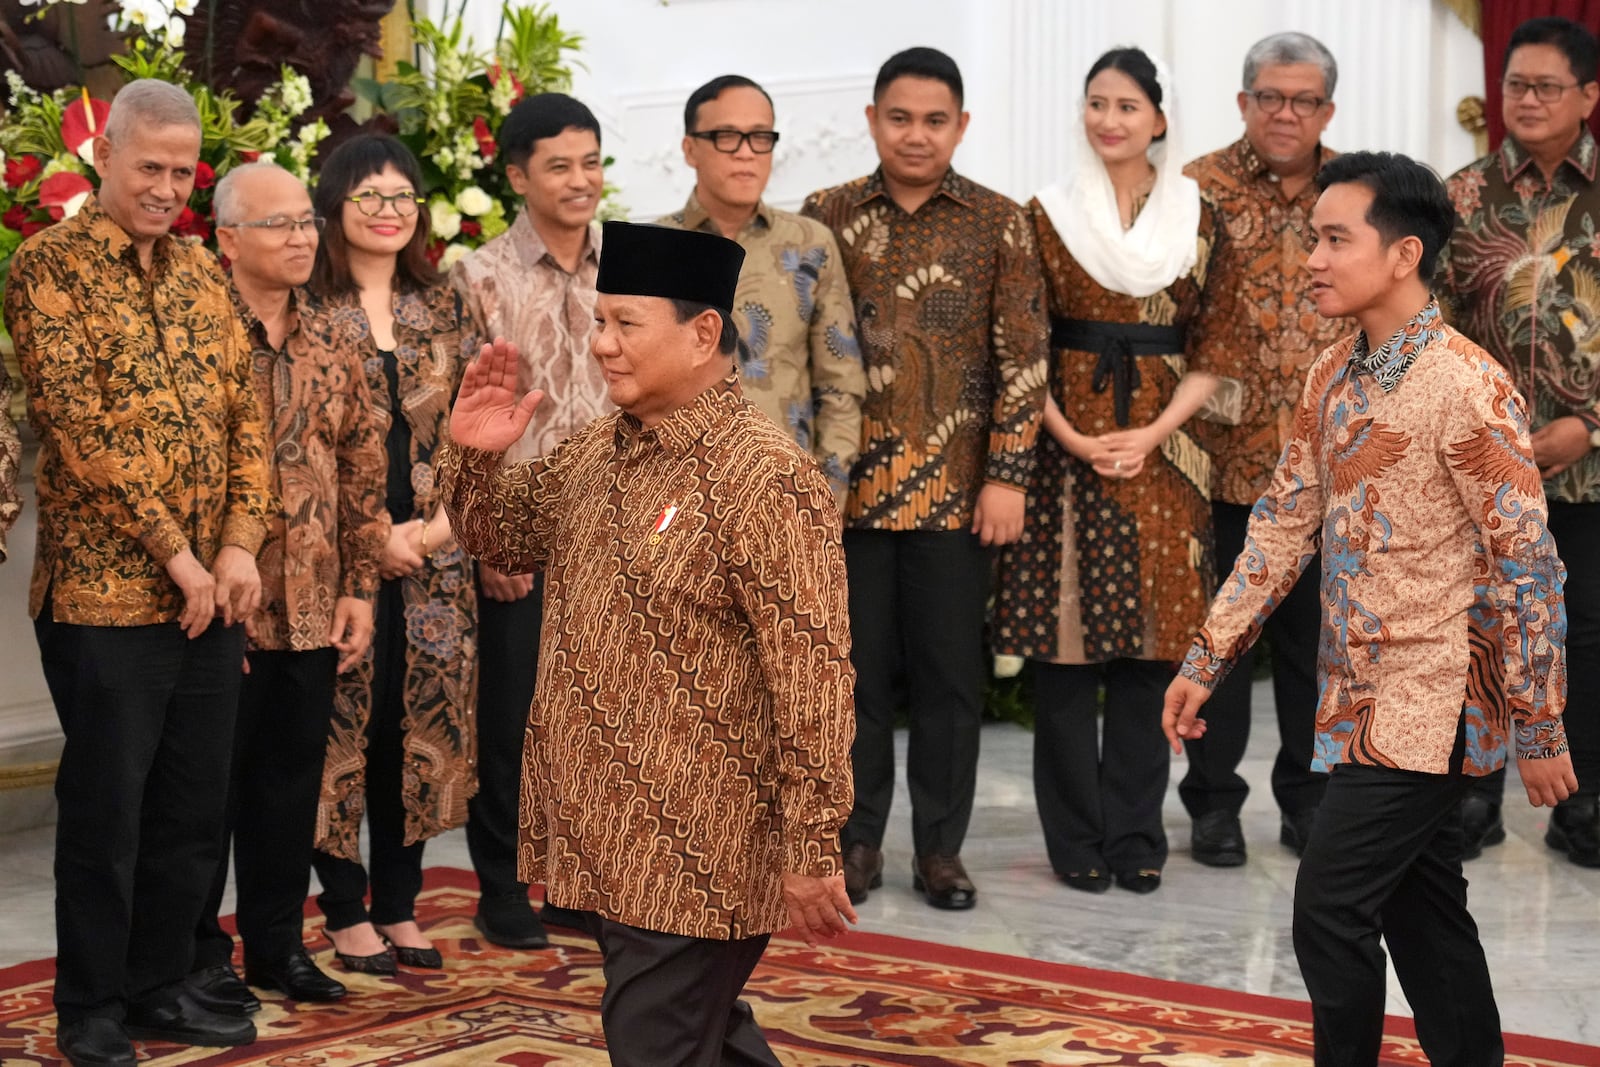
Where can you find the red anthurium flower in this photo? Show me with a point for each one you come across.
(63, 193)
(20, 170)
(15, 216)
(485, 139)
(83, 121)
(204, 176)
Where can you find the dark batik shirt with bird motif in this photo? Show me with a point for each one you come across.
(798, 357)
(1409, 465)
(1521, 277)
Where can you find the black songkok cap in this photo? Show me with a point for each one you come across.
(643, 260)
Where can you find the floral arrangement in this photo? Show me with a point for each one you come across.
(448, 109)
(46, 139)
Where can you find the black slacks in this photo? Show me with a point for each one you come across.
(1576, 529)
(148, 716)
(1100, 798)
(1212, 782)
(673, 1001)
(1384, 858)
(278, 750)
(917, 604)
(508, 665)
(395, 867)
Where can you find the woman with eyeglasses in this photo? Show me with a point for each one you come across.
(401, 750)
(1114, 571)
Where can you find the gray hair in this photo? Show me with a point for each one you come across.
(225, 199)
(1282, 49)
(153, 102)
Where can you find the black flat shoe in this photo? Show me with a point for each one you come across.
(219, 989)
(377, 963)
(296, 977)
(1090, 881)
(183, 1022)
(96, 1042)
(423, 959)
(1144, 880)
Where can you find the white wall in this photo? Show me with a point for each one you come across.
(1403, 66)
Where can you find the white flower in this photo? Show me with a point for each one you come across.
(70, 208)
(142, 13)
(296, 94)
(474, 201)
(446, 220)
(182, 7)
(452, 253)
(175, 32)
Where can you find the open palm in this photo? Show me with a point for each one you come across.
(489, 412)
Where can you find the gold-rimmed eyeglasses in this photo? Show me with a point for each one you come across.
(371, 202)
(280, 226)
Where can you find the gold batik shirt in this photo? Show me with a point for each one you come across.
(950, 309)
(798, 357)
(690, 734)
(330, 530)
(150, 439)
(10, 462)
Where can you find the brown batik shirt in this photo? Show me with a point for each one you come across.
(150, 440)
(328, 463)
(1257, 322)
(513, 288)
(690, 734)
(951, 317)
(10, 462)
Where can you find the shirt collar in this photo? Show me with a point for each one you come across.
(695, 216)
(953, 186)
(1514, 159)
(680, 430)
(1251, 163)
(103, 227)
(252, 321)
(532, 250)
(1389, 363)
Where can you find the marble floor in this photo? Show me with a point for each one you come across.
(1539, 915)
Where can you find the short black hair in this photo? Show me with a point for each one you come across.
(919, 63)
(353, 162)
(1574, 39)
(1135, 64)
(688, 309)
(713, 89)
(1408, 200)
(538, 117)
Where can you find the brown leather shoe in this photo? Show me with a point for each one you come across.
(863, 870)
(943, 880)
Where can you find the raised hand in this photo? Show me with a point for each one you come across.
(490, 413)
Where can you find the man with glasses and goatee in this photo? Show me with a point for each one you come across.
(1258, 328)
(319, 575)
(798, 357)
(1521, 277)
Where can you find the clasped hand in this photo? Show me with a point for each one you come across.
(490, 413)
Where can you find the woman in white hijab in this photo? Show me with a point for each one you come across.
(1115, 569)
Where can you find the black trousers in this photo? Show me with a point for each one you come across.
(396, 867)
(1384, 858)
(917, 604)
(508, 665)
(1576, 529)
(673, 1001)
(278, 750)
(1099, 798)
(148, 716)
(1212, 782)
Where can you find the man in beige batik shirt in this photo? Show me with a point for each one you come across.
(534, 286)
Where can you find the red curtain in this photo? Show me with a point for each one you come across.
(1500, 17)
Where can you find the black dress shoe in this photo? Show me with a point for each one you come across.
(219, 989)
(1090, 881)
(96, 1041)
(944, 882)
(1217, 840)
(381, 963)
(295, 976)
(1294, 830)
(180, 1020)
(1144, 880)
(1481, 826)
(863, 870)
(568, 918)
(1575, 829)
(510, 922)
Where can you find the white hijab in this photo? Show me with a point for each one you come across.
(1160, 247)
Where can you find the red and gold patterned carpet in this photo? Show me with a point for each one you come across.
(867, 1001)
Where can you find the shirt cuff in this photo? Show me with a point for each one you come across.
(815, 855)
(247, 532)
(1540, 740)
(1009, 468)
(1203, 666)
(164, 541)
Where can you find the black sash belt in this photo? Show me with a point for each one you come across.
(1117, 344)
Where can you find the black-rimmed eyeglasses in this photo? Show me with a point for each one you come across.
(1271, 101)
(1544, 92)
(730, 141)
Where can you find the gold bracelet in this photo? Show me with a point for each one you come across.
(424, 538)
